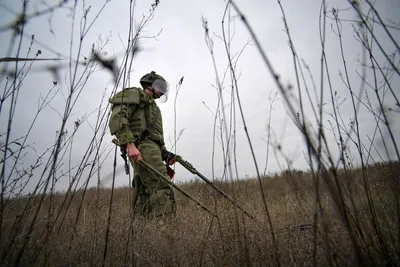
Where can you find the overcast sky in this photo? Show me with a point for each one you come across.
(180, 50)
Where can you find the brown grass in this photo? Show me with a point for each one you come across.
(194, 238)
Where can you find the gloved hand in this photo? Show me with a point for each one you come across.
(168, 157)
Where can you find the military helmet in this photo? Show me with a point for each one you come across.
(149, 78)
(157, 82)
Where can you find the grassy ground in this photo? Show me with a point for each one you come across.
(195, 238)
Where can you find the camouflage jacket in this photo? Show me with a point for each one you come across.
(132, 112)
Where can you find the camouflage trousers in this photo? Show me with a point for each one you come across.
(153, 197)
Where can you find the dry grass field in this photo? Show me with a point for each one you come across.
(195, 238)
(336, 77)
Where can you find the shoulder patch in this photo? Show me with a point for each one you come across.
(130, 95)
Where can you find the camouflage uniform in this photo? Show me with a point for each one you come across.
(134, 111)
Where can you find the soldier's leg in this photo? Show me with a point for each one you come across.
(158, 190)
(141, 204)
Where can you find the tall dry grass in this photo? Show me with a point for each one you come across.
(333, 215)
(194, 238)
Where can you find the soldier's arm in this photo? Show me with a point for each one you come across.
(119, 123)
(119, 126)
(124, 103)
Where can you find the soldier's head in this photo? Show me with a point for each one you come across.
(155, 85)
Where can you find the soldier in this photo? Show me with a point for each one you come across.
(136, 121)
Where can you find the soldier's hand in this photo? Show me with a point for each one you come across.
(168, 157)
(134, 153)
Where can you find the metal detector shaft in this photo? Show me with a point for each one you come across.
(190, 168)
(166, 180)
(142, 162)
